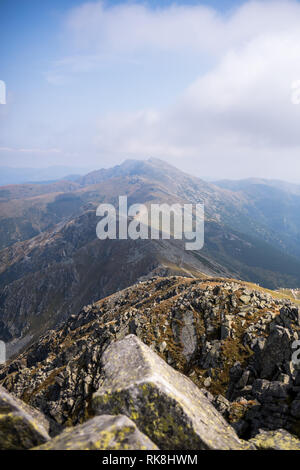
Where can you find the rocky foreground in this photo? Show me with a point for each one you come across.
(170, 363)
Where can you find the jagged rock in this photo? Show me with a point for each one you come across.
(101, 433)
(289, 314)
(222, 405)
(243, 380)
(277, 350)
(226, 327)
(236, 372)
(275, 440)
(265, 390)
(21, 427)
(211, 354)
(185, 332)
(245, 299)
(163, 403)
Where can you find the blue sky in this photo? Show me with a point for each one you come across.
(92, 83)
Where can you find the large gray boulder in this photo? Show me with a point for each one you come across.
(21, 427)
(101, 433)
(277, 351)
(169, 408)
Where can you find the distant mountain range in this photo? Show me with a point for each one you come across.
(52, 264)
(9, 175)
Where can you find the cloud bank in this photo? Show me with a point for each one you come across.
(208, 91)
(236, 119)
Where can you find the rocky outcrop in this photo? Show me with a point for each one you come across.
(230, 338)
(21, 427)
(270, 379)
(101, 433)
(164, 404)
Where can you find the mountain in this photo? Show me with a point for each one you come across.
(233, 340)
(250, 183)
(9, 175)
(275, 207)
(52, 264)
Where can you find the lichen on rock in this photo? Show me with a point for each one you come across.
(164, 404)
(201, 327)
(21, 427)
(275, 440)
(101, 433)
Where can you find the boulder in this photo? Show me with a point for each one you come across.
(277, 351)
(21, 427)
(275, 440)
(185, 333)
(245, 299)
(101, 433)
(169, 408)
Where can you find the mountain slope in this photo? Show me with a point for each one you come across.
(274, 205)
(52, 263)
(46, 279)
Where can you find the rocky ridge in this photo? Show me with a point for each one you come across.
(233, 340)
(52, 263)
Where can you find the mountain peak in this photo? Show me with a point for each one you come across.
(151, 168)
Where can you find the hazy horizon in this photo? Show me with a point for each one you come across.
(203, 85)
(24, 175)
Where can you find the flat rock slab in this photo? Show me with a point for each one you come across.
(275, 440)
(101, 433)
(21, 427)
(166, 406)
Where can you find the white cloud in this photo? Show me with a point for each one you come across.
(237, 118)
(133, 27)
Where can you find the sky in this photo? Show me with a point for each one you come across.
(211, 87)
